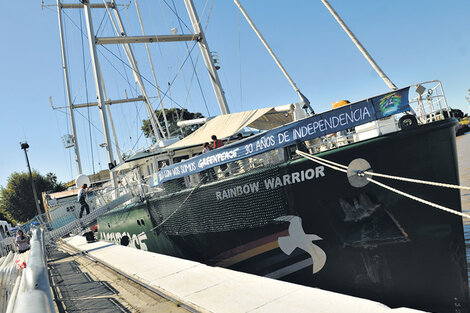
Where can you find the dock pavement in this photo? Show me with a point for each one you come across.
(80, 284)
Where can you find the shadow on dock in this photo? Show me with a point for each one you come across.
(76, 291)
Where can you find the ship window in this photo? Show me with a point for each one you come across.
(268, 158)
(138, 222)
(161, 164)
(142, 222)
(180, 158)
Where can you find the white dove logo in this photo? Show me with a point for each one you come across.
(299, 239)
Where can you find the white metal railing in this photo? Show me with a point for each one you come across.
(24, 280)
(7, 245)
(429, 102)
(74, 225)
(9, 271)
(34, 293)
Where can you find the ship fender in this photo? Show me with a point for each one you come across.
(407, 122)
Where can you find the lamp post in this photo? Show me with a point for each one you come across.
(25, 146)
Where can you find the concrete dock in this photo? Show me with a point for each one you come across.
(83, 285)
(198, 287)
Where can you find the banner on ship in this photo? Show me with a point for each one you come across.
(329, 122)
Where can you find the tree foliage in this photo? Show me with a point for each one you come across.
(17, 199)
(173, 116)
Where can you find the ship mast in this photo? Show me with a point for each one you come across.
(67, 88)
(360, 46)
(99, 89)
(120, 31)
(125, 40)
(303, 100)
(219, 93)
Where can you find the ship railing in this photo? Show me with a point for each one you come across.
(72, 224)
(64, 218)
(429, 102)
(127, 184)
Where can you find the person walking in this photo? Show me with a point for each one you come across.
(82, 200)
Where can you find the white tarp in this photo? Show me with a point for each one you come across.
(225, 126)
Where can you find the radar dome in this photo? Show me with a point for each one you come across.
(82, 179)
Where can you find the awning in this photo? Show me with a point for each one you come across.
(225, 126)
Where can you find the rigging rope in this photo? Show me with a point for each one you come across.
(179, 207)
(165, 94)
(343, 168)
(101, 53)
(199, 54)
(177, 16)
(192, 61)
(86, 91)
(153, 69)
(240, 60)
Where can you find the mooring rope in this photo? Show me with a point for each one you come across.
(435, 205)
(335, 165)
(343, 168)
(328, 163)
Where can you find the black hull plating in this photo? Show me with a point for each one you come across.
(377, 244)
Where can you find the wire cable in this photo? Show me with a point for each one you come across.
(86, 91)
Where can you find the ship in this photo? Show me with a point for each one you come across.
(279, 215)
(258, 205)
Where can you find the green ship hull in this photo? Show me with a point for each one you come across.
(304, 223)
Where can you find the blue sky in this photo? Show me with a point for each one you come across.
(412, 41)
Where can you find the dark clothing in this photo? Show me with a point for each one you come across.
(84, 206)
(218, 143)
